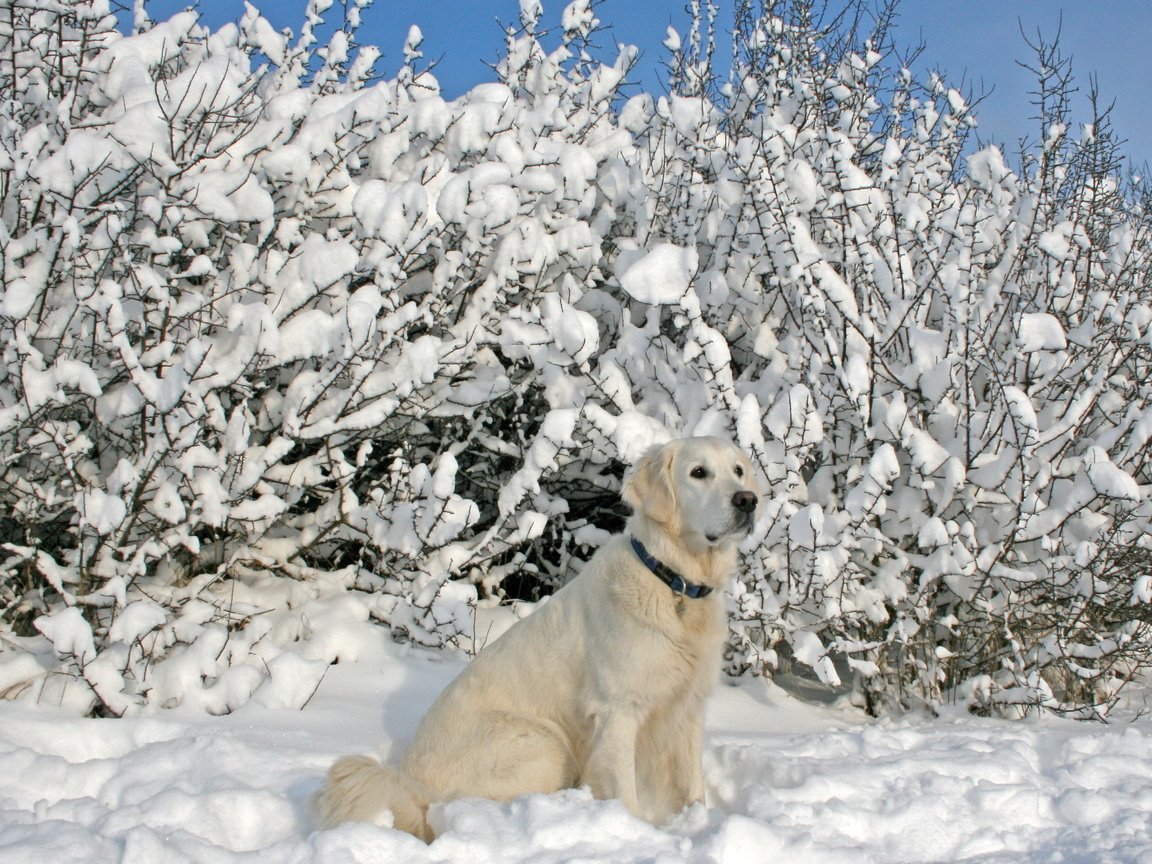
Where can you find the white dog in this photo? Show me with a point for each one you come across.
(604, 685)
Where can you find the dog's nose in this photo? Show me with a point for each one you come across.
(744, 501)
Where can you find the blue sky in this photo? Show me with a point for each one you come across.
(975, 42)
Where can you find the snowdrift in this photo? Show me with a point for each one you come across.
(787, 782)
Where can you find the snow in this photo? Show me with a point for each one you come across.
(1040, 331)
(1057, 242)
(69, 633)
(806, 527)
(659, 276)
(787, 781)
(1108, 479)
(805, 185)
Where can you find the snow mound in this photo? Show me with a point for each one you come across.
(660, 276)
(1040, 331)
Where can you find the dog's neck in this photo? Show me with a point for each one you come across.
(710, 566)
(667, 575)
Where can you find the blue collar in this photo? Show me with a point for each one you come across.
(669, 576)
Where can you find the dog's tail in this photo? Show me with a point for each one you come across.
(361, 788)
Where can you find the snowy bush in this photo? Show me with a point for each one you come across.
(949, 361)
(292, 350)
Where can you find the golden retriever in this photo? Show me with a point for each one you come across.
(604, 684)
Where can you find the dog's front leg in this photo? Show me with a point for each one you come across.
(692, 763)
(669, 769)
(610, 771)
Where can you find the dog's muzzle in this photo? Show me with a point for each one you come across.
(743, 515)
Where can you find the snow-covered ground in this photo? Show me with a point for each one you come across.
(789, 782)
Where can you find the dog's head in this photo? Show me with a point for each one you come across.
(701, 490)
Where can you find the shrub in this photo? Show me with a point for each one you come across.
(293, 351)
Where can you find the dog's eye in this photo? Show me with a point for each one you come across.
(698, 473)
(739, 470)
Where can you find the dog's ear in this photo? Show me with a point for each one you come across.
(648, 487)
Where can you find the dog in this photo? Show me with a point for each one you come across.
(604, 685)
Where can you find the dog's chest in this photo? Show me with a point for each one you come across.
(693, 631)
